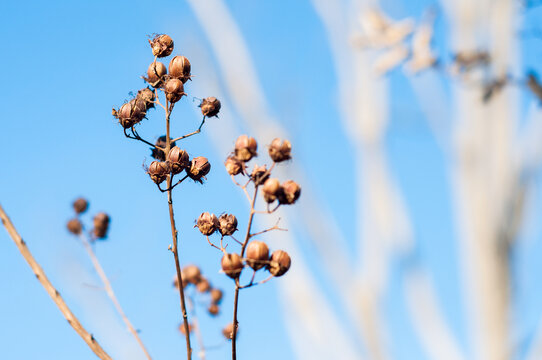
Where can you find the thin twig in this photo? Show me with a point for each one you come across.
(109, 291)
(51, 290)
(197, 330)
(275, 227)
(192, 133)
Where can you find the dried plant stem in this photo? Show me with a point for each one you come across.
(197, 330)
(111, 293)
(174, 248)
(53, 293)
(237, 286)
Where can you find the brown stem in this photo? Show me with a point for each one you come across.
(197, 330)
(111, 293)
(174, 248)
(53, 293)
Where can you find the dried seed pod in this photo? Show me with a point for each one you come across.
(290, 192)
(146, 98)
(257, 254)
(234, 166)
(232, 265)
(245, 148)
(179, 68)
(162, 45)
(178, 160)
(203, 285)
(216, 296)
(155, 73)
(158, 171)
(280, 150)
(101, 225)
(228, 331)
(207, 223)
(174, 90)
(199, 167)
(271, 190)
(210, 106)
(74, 226)
(130, 113)
(80, 205)
(176, 282)
(259, 174)
(161, 142)
(227, 224)
(213, 309)
(191, 274)
(279, 263)
(182, 329)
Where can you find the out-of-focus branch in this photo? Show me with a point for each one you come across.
(51, 290)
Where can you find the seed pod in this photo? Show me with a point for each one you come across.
(176, 282)
(191, 274)
(178, 160)
(259, 174)
(182, 329)
(130, 113)
(234, 166)
(74, 226)
(101, 225)
(146, 98)
(179, 68)
(280, 150)
(155, 73)
(174, 90)
(228, 331)
(257, 254)
(279, 263)
(271, 190)
(157, 153)
(162, 45)
(158, 171)
(80, 205)
(213, 309)
(228, 224)
(207, 223)
(199, 167)
(210, 106)
(290, 192)
(232, 265)
(216, 296)
(203, 285)
(245, 148)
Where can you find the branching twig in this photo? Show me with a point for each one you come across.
(192, 133)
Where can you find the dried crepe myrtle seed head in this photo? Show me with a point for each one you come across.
(179, 68)
(213, 309)
(130, 113)
(203, 285)
(161, 142)
(183, 331)
(74, 226)
(191, 274)
(259, 174)
(146, 97)
(280, 150)
(210, 106)
(257, 254)
(162, 45)
(227, 224)
(290, 192)
(216, 296)
(176, 282)
(101, 225)
(234, 166)
(199, 167)
(245, 148)
(80, 205)
(158, 171)
(228, 331)
(155, 73)
(279, 263)
(174, 90)
(232, 265)
(271, 190)
(178, 160)
(207, 223)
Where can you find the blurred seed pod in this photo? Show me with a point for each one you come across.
(228, 331)
(199, 167)
(101, 225)
(227, 224)
(259, 174)
(245, 148)
(182, 329)
(207, 223)
(191, 274)
(216, 296)
(161, 45)
(80, 205)
(174, 90)
(271, 190)
(210, 106)
(232, 265)
(179, 68)
(74, 226)
(280, 150)
(203, 285)
(158, 171)
(178, 160)
(213, 309)
(161, 142)
(156, 73)
(257, 255)
(279, 263)
(290, 192)
(234, 166)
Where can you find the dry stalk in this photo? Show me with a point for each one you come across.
(51, 290)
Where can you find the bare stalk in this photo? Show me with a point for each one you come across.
(51, 290)
(111, 293)
(197, 330)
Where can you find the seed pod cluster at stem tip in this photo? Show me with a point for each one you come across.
(161, 45)
(210, 106)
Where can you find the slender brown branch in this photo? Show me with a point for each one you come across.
(252, 283)
(51, 290)
(111, 293)
(275, 227)
(192, 133)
